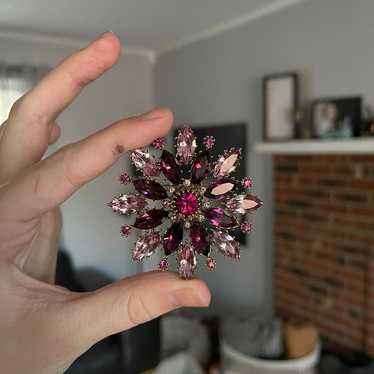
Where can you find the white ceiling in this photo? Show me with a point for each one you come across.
(153, 25)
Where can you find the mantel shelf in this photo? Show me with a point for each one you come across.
(338, 146)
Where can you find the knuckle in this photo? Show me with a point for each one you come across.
(17, 106)
(65, 157)
(24, 109)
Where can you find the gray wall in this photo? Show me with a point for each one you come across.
(219, 79)
(91, 230)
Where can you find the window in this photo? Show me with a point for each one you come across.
(14, 82)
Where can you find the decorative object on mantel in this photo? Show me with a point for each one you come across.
(336, 118)
(368, 122)
(280, 105)
(198, 196)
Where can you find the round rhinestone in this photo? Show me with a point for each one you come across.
(211, 263)
(163, 264)
(187, 203)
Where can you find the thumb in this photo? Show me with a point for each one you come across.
(133, 301)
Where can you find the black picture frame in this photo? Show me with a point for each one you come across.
(288, 103)
(345, 108)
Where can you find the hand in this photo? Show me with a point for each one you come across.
(44, 328)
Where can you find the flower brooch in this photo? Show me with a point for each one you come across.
(201, 199)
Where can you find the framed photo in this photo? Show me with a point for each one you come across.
(280, 102)
(338, 117)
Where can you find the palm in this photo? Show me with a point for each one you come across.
(37, 256)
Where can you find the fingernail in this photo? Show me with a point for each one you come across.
(187, 297)
(101, 36)
(153, 114)
(105, 33)
(156, 113)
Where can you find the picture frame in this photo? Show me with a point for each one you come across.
(280, 103)
(336, 117)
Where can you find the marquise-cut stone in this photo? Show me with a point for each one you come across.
(220, 189)
(169, 167)
(186, 145)
(150, 219)
(128, 204)
(150, 189)
(243, 203)
(172, 238)
(151, 169)
(146, 245)
(227, 163)
(200, 167)
(187, 262)
(226, 244)
(218, 218)
(199, 238)
(251, 202)
(145, 163)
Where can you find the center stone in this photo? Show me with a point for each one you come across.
(187, 203)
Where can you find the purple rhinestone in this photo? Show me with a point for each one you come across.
(163, 264)
(169, 167)
(200, 167)
(173, 238)
(126, 230)
(199, 238)
(150, 189)
(124, 178)
(211, 263)
(150, 219)
(218, 218)
(159, 143)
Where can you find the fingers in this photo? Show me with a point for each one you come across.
(26, 140)
(51, 181)
(133, 301)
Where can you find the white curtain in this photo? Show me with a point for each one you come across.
(15, 80)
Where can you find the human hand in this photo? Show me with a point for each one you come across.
(44, 328)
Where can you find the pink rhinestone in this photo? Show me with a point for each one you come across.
(209, 141)
(211, 263)
(159, 143)
(246, 227)
(246, 182)
(186, 145)
(187, 203)
(151, 169)
(126, 230)
(124, 178)
(164, 264)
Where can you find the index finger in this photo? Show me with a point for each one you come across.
(32, 116)
(59, 88)
(51, 181)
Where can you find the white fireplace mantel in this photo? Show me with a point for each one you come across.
(339, 146)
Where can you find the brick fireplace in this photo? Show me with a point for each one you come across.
(324, 245)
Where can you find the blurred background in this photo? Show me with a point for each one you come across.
(297, 76)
